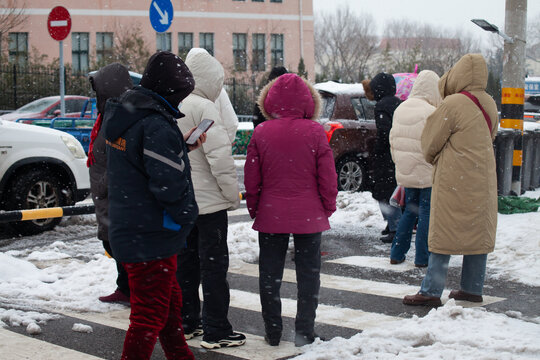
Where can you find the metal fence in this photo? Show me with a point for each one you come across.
(20, 85)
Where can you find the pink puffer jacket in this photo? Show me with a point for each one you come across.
(290, 177)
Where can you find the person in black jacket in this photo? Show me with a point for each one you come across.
(383, 87)
(152, 204)
(109, 82)
(258, 117)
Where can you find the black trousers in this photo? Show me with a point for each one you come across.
(122, 279)
(206, 260)
(307, 258)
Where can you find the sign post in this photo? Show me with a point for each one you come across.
(161, 15)
(59, 26)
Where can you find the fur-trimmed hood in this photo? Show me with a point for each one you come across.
(289, 96)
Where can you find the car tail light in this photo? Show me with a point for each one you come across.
(330, 127)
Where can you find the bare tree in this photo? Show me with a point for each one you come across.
(406, 44)
(533, 40)
(344, 44)
(129, 48)
(11, 17)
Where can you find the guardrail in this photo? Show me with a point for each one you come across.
(45, 213)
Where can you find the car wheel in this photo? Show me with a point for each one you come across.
(35, 189)
(351, 174)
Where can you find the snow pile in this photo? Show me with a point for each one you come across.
(449, 332)
(30, 319)
(82, 328)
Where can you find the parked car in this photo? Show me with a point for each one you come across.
(47, 107)
(40, 168)
(349, 121)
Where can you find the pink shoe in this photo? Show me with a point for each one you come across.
(116, 297)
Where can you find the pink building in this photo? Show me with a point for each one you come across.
(246, 36)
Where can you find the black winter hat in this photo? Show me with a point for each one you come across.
(277, 71)
(167, 75)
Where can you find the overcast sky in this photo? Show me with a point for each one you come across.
(452, 14)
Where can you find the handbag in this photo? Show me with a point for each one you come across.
(398, 197)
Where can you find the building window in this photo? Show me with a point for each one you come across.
(276, 1)
(104, 47)
(239, 52)
(185, 43)
(257, 0)
(79, 52)
(276, 46)
(18, 48)
(163, 41)
(206, 41)
(258, 58)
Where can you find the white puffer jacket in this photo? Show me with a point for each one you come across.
(228, 115)
(212, 165)
(412, 171)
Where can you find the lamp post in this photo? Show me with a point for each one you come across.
(513, 80)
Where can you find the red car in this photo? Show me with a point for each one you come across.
(47, 107)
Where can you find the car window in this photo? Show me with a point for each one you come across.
(53, 109)
(358, 108)
(369, 108)
(327, 106)
(74, 105)
(364, 108)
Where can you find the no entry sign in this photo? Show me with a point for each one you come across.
(59, 23)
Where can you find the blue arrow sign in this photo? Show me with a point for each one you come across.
(161, 14)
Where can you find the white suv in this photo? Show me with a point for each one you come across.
(39, 168)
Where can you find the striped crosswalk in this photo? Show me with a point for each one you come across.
(350, 300)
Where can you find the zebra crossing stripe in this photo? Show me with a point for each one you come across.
(360, 286)
(21, 347)
(255, 347)
(373, 262)
(326, 314)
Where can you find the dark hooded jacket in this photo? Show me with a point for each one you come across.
(383, 87)
(152, 202)
(109, 82)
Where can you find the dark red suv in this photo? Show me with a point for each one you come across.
(348, 119)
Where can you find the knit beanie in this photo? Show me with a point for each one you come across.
(167, 75)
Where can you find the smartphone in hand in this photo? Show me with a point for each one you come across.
(202, 128)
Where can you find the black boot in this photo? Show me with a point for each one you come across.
(385, 231)
(388, 238)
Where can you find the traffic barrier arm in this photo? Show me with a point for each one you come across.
(45, 213)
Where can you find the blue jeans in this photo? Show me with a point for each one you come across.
(473, 271)
(417, 204)
(391, 214)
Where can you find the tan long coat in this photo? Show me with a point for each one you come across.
(457, 141)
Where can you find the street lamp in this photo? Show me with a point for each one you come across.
(492, 28)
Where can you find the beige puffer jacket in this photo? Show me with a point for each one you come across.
(459, 144)
(212, 166)
(412, 171)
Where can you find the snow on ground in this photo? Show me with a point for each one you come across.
(71, 276)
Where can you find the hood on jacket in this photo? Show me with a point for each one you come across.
(207, 72)
(383, 85)
(426, 87)
(108, 82)
(132, 106)
(289, 96)
(167, 75)
(469, 73)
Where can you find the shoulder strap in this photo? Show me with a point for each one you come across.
(475, 100)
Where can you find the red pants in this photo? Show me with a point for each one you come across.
(156, 301)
